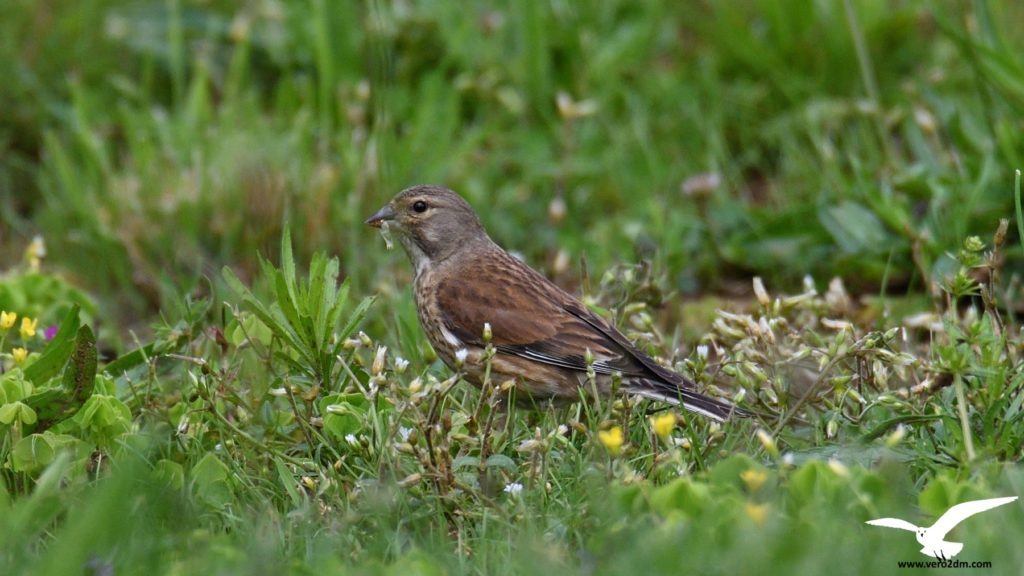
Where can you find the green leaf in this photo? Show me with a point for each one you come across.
(728, 471)
(57, 352)
(288, 481)
(344, 414)
(130, 360)
(33, 452)
(941, 493)
(171, 473)
(253, 328)
(854, 228)
(36, 451)
(104, 416)
(465, 462)
(210, 479)
(78, 383)
(17, 411)
(14, 386)
(681, 494)
(354, 320)
(501, 461)
(80, 375)
(288, 262)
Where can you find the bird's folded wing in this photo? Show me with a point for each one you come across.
(531, 318)
(964, 510)
(893, 523)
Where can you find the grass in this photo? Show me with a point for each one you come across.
(287, 415)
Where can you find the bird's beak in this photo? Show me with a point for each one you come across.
(384, 214)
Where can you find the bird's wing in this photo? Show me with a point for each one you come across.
(963, 511)
(530, 317)
(893, 523)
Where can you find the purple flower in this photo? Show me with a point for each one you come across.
(51, 332)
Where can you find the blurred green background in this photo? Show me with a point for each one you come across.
(152, 142)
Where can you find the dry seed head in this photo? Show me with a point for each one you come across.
(378, 360)
(700, 185)
(839, 468)
(925, 120)
(760, 292)
(1000, 236)
(556, 210)
(836, 297)
(768, 442)
(410, 480)
(896, 436)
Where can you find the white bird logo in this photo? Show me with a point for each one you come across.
(933, 537)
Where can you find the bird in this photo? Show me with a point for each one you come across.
(471, 293)
(933, 538)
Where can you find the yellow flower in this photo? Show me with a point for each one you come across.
(28, 327)
(19, 355)
(612, 440)
(664, 424)
(7, 320)
(753, 478)
(757, 512)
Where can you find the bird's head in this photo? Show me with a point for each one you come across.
(432, 223)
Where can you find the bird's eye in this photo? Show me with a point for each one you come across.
(419, 206)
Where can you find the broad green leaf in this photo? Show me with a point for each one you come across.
(681, 494)
(210, 480)
(854, 228)
(79, 381)
(33, 453)
(14, 386)
(171, 473)
(344, 414)
(501, 461)
(465, 462)
(37, 451)
(80, 375)
(17, 412)
(57, 352)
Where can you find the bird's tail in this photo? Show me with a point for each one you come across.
(718, 410)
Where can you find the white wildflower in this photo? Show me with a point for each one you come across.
(400, 365)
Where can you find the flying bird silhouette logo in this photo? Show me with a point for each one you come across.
(933, 538)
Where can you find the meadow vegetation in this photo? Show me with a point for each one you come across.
(209, 365)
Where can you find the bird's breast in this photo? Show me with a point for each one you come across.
(431, 316)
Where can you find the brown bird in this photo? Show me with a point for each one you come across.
(541, 334)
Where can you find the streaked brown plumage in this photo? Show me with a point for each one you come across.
(540, 332)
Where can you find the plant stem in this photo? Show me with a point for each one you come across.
(961, 402)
